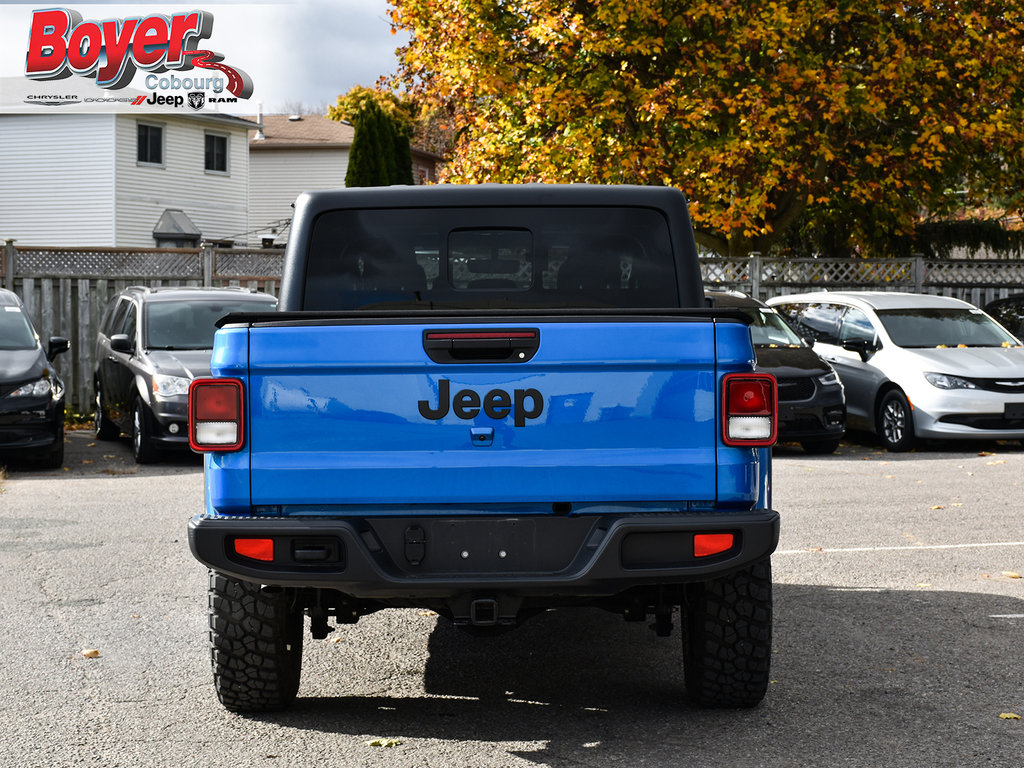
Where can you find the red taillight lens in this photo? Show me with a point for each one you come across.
(257, 549)
(749, 409)
(707, 544)
(215, 415)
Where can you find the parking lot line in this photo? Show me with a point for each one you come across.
(906, 547)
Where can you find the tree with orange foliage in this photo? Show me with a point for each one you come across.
(765, 114)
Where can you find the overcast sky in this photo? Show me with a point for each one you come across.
(304, 51)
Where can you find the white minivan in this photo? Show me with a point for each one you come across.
(915, 366)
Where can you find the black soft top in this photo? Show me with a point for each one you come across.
(668, 201)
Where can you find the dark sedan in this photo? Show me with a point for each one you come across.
(31, 392)
(812, 405)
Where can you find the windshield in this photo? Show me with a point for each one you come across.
(191, 324)
(924, 328)
(770, 330)
(15, 331)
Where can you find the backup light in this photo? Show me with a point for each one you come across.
(215, 415)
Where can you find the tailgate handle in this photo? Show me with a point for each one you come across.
(484, 345)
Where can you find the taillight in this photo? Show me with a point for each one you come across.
(749, 409)
(215, 415)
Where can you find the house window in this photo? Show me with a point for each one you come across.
(151, 144)
(216, 153)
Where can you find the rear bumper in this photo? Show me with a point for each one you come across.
(406, 558)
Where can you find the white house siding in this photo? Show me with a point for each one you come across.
(216, 203)
(278, 176)
(57, 179)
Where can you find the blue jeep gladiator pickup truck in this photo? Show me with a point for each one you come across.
(487, 401)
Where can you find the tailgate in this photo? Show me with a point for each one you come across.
(599, 412)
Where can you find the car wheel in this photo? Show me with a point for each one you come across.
(104, 427)
(727, 637)
(255, 644)
(820, 446)
(142, 441)
(896, 422)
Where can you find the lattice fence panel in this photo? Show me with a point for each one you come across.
(183, 263)
(249, 263)
(975, 273)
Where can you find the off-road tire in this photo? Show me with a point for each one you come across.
(895, 422)
(727, 638)
(255, 644)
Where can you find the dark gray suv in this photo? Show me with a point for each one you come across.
(151, 344)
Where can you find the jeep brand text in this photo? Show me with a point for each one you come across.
(497, 404)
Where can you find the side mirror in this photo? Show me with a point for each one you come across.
(862, 347)
(120, 342)
(57, 345)
(809, 341)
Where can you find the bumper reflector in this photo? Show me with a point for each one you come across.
(707, 544)
(257, 549)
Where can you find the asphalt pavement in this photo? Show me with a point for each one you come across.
(898, 638)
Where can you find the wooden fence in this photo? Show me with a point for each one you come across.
(67, 289)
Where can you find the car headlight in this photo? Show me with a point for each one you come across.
(169, 386)
(945, 381)
(828, 379)
(39, 388)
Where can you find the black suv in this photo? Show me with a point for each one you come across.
(31, 392)
(151, 344)
(812, 404)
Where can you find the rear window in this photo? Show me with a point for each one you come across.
(483, 258)
(191, 324)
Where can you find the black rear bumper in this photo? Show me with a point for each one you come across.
(417, 558)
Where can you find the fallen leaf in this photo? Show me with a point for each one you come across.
(957, 504)
(993, 463)
(924, 585)
(812, 549)
(87, 461)
(1011, 574)
(936, 506)
(92, 445)
(1009, 716)
(985, 453)
(383, 743)
(90, 653)
(427, 613)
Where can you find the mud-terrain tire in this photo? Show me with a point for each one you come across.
(255, 644)
(727, 638)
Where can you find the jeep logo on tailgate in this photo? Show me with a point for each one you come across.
(498, 404)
